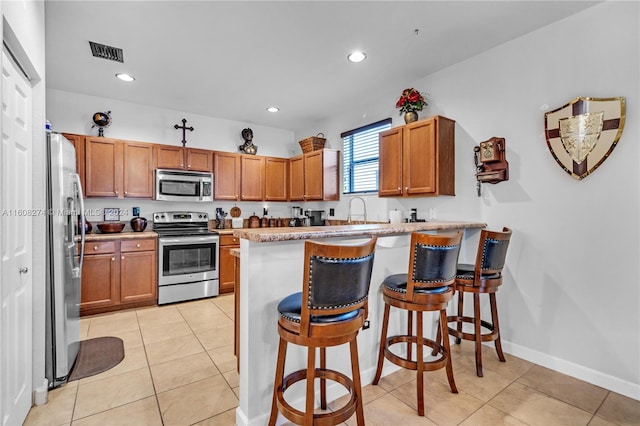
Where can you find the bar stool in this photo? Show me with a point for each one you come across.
(485, 276)
(329, 311)
(428, 286)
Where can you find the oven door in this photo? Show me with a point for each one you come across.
(188, 259)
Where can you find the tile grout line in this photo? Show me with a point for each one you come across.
(153, 383)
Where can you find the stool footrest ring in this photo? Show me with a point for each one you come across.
(484, 337)
(332, 418)
(435, 364)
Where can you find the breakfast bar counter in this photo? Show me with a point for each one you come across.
(271, 268)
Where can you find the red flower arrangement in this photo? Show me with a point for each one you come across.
(410, 100)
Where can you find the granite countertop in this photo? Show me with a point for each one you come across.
(228, 231)
(261, 235)
(124, 235)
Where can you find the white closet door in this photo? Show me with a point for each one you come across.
(15, 238)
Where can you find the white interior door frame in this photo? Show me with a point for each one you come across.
(16, 220)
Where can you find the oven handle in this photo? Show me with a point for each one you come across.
(190, 239)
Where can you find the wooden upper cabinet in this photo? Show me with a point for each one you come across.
(226, 178)
(418, 159)
(275, 178)
(181, 158)
(251, 178)
(314, 176)
(200, 160)
(78, 144)
(390, 163)
(296, 178)
(103, 167)
(138, 170)
(118, 169)
(169, 157)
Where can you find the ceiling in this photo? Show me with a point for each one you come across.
(233, 59)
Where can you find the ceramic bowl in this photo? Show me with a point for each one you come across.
(111, 227)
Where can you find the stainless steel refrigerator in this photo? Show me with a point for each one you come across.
(65, 211)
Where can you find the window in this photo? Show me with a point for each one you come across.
(360, 157)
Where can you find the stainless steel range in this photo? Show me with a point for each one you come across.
(188, 256)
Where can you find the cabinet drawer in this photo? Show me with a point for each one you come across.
(229, 240)
(137, 245)
(99, 247)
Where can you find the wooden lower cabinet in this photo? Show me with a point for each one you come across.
(227, 276)
(100, 288)
(119, 274)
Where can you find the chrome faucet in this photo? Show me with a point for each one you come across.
(364, 206)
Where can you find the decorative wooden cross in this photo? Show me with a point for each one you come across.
(184, 130)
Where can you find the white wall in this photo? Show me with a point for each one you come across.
(23, 23)
(571, 299)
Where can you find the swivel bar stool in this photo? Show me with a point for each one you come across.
(485, 276)
(428, 286)
(329, 311)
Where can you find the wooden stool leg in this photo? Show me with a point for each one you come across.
(323, 381)
(383, 341)
(439, 335)
(409, 332)
(355, 373)
(477, 331)
(459, 323)
(282, 354)
(447, 349)
(311, 372)
(420, 365)
(496, 325)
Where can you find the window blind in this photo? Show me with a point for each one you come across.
(360, 157)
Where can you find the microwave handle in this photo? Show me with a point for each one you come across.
(201, 188)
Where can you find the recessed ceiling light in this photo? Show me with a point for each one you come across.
(357, 56)
(125, 77)
(273, 109)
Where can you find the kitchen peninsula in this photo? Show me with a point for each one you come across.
(271, 267)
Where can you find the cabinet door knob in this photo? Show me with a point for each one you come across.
(122, 258)
(116, 192)
(138, 245)
(113, 259)
(125, 192)
(95, 247)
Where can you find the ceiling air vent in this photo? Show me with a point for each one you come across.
(106, 52)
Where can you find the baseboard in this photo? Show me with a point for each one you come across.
(614, 384)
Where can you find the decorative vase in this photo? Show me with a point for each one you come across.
(138, 224)
(410, 117)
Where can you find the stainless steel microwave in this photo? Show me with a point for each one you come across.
(180, 185)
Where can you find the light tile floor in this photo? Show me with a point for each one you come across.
(179, 369)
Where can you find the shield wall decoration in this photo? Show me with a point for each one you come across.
(582, 134)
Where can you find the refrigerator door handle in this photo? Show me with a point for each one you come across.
(76, 178)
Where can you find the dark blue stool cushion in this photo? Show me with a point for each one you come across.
(465, 272)
(398, 283)
(291, 306)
